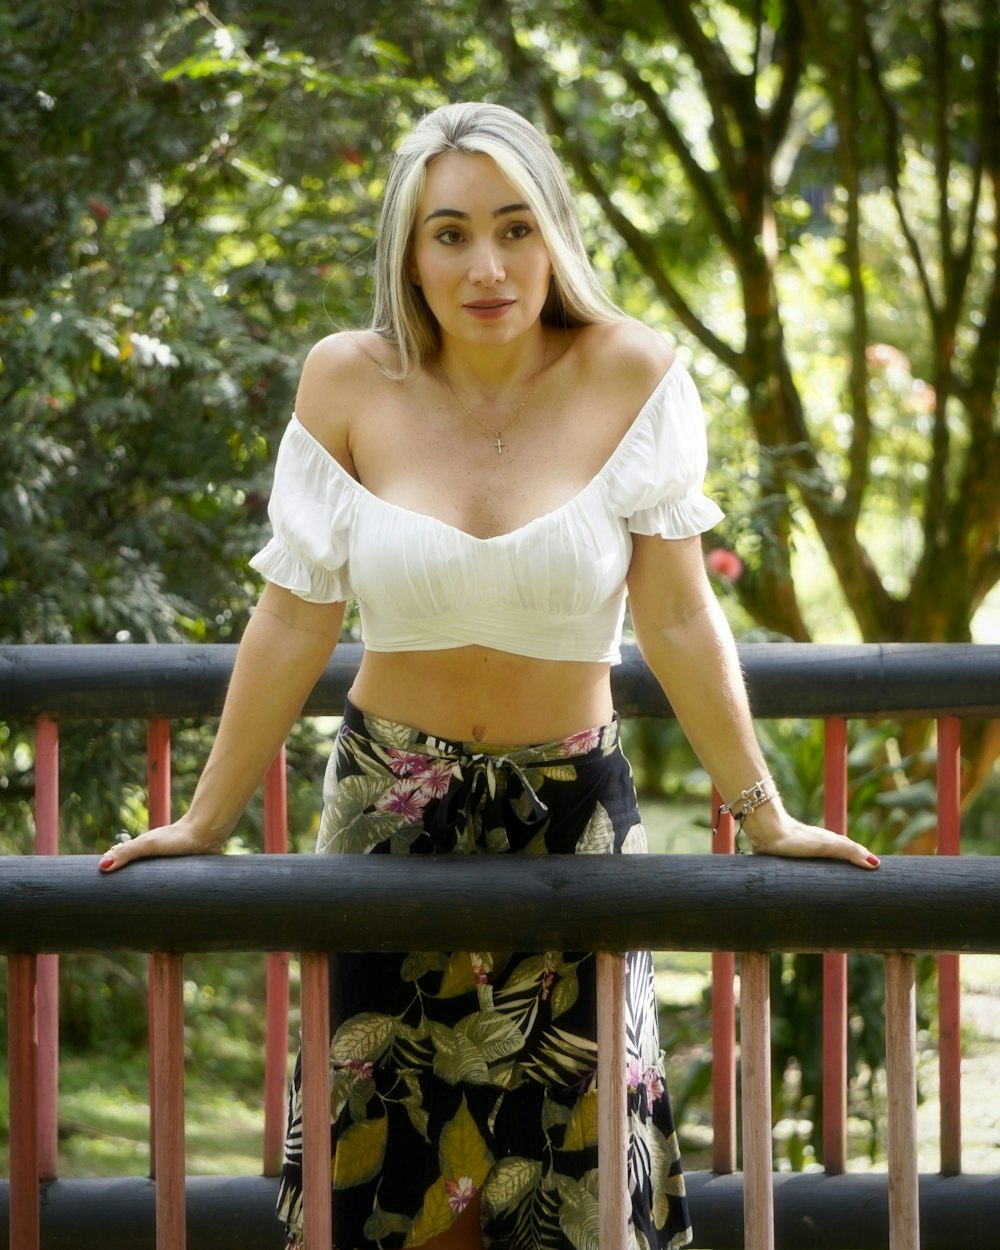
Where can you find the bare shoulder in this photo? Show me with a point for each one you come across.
(630, 355)
(337, 379)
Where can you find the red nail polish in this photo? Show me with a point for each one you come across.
(107, 861)
(873, 860)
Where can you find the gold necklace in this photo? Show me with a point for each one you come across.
(491, 432)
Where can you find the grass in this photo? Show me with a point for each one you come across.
(104, 1124)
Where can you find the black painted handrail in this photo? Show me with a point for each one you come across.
(565, 902)
(109, 681)
(812, 1211)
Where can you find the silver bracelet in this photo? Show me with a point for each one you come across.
(748, 801)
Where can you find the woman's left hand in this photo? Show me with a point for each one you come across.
(774, 832)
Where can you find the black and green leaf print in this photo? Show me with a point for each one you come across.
(468, 1079)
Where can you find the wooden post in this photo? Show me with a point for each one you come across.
(755, 1058)
(158, 808)
(950, 1063)
(723, 1027)
(949, 799)
(835, 966)
(612, 1104)
(276, 1037)
(316, 1153)
(47, 968)
(22, 1076)
(167, 973)
(901, 1079)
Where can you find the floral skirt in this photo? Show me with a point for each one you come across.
(459, 1075)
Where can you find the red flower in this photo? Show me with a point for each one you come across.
(99, 209)
(725, 564)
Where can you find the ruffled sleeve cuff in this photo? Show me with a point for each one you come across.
(311, 509)
(680, 518)
(310, 581)
(656, 478)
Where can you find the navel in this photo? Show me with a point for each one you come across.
(478, 733)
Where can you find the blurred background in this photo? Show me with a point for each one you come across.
(802, 196)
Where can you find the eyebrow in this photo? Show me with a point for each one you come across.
(457, 212)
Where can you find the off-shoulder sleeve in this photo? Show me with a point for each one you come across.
(312, 507)
(656, 478)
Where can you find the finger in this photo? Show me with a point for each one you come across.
(838, 846)
(810, 841)
(862, 856)
(114, 853)
(165, 841)
(124, 850)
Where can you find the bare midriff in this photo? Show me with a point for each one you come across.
(477, 694)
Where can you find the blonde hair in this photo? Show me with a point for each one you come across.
(525, 158)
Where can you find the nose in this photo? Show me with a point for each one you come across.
(486, 268)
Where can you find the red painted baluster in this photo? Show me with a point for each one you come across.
(755, 1070)
(47, 968)
(158, 805)
(612, 1100)
(835, 966)
(276, 1042)
(723, 1028)
(167, 979)
(901, 1092)
(316, 1151)
(949, 769)
(22, 1077)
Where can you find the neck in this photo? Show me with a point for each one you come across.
(487, 373)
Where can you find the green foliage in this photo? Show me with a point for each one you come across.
(150, 351)
(188, 198)
(805, 198)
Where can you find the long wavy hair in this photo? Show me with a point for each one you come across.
(525, 158)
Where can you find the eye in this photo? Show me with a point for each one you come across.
(519, 230)
(450, 235)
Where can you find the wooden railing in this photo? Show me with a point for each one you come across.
(752, 906)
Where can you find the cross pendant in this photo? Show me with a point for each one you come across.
(499, 446)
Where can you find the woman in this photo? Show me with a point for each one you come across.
(485, 470)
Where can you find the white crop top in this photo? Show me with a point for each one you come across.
(553, 589)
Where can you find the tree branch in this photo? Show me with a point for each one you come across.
(937, 479)
(641, 245)
(699, 179)
(792, 62)
(893, 161)
(843, 87)
(985, 362)
(725, 88)
(942, 140)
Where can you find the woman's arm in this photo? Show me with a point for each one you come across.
(687, 643)
(285, 648)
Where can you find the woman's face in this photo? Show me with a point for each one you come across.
(477, 253)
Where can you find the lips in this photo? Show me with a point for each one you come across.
(489, 305)
(486, 310)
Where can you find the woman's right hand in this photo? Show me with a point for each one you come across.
(181, 838)
(285, 648)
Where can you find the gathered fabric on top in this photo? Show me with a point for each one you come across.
(553, 588)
